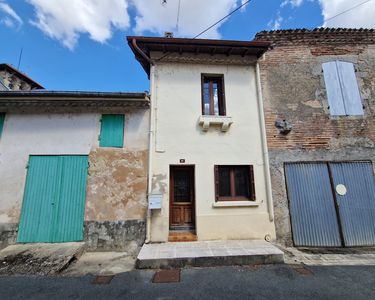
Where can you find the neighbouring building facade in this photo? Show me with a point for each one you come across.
(12, 79)
(319, 102)
(209, 176)
(73, 167)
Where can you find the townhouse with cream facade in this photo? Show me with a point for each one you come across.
(208, 165)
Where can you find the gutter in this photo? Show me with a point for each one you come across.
(264, 146)
(139, 50)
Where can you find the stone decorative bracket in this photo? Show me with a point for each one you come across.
(223, 121)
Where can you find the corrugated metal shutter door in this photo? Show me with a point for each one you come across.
(357, 206)
(54, 199)
(313, 214)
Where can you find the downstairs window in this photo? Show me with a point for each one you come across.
(234, 183)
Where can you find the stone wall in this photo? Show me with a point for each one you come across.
(294, 91)
(13, 82)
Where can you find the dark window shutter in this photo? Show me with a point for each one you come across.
(216, 183)
(222, 98)
(252, 182)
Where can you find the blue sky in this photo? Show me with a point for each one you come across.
(67, 46)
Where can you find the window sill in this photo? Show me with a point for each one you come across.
(207, 121)
(235, 204)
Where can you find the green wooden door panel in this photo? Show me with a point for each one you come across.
(70, 212)
(112, 131)
(54, 199)
(2, 119)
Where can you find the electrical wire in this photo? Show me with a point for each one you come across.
(222, 19)
(213, 25)
(345, 11)
(178, 15)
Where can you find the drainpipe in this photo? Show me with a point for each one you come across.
(151, 135)
(150, 150)
(264, 145)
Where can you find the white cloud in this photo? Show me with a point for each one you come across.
(11, 18)
(293, 3)
(195, 16)
(362, 16)
(276, 23)
(65, 20)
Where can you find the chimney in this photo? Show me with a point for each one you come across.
(168, 35)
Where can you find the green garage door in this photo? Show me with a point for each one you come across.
(54, 199)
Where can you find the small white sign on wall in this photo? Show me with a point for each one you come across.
(154, 201)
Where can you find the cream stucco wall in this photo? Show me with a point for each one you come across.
(176, 103)
(73, 133)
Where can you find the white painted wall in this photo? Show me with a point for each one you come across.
(177, 102)
(27, 134)
(54, 134)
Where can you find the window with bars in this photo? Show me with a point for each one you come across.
(213, 98)
(234, 183)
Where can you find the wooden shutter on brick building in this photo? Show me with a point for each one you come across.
(350, 90)
(342, 89)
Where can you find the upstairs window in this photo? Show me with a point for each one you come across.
(112, 131)
(234, 183)
(213, 100)
(342, 89)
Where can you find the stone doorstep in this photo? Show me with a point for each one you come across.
(207, 254)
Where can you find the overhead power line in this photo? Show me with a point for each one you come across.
(222, 19)
(345, 11)
(178, 15)
(213, 25)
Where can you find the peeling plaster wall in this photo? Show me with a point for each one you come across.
(177, 102)
(294, 90)
(117, 180)
(117, 185)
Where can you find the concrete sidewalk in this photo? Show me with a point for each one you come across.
(208, 253)
(334, 257)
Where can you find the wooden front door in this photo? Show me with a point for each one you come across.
(182, 198)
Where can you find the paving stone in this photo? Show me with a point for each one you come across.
(166, 276)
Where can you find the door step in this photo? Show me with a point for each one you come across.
(182, 236)
(208, 254)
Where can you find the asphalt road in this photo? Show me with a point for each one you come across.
(247, 282)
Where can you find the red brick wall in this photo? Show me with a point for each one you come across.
(294, 90)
